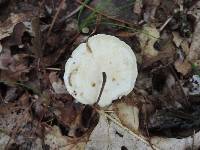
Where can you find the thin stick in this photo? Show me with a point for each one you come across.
(102, 87)
(55, 17)
(165, 24)
(187, 104)
(54, 69)
(70, 15)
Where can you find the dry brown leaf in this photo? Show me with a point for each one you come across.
(6, 28)
(166, 55)
(183, 67)
(177, 39)
(185, 47)
(54, 139)
(57, 84)
(12, 116)
(147, 39)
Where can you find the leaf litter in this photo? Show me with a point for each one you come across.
(161, 112)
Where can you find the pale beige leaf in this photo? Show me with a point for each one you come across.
(128, 115)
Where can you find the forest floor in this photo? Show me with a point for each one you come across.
(38, 37)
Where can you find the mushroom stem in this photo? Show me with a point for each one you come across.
(102, 87)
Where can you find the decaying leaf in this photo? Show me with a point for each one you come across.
(6, 28)
(147, 41)
(14, 67)
(4, 138)
(57, 84)
(128, 115)
(55, 140)
(183, 67)
(174, 143)
(107, 135)
(165, 55)
(194, 54)
(177, 39)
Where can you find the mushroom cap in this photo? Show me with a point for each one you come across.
(102, 53)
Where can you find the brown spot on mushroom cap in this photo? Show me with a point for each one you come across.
(113, 79)
(93, 84)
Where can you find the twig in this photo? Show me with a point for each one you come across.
(193, 140)
(187, 104)
(165, 24)
(70, 15)
(98, 20)
(54, 69)
(102, 87)
(55, 17)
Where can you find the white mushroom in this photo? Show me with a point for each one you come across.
(102, 53)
